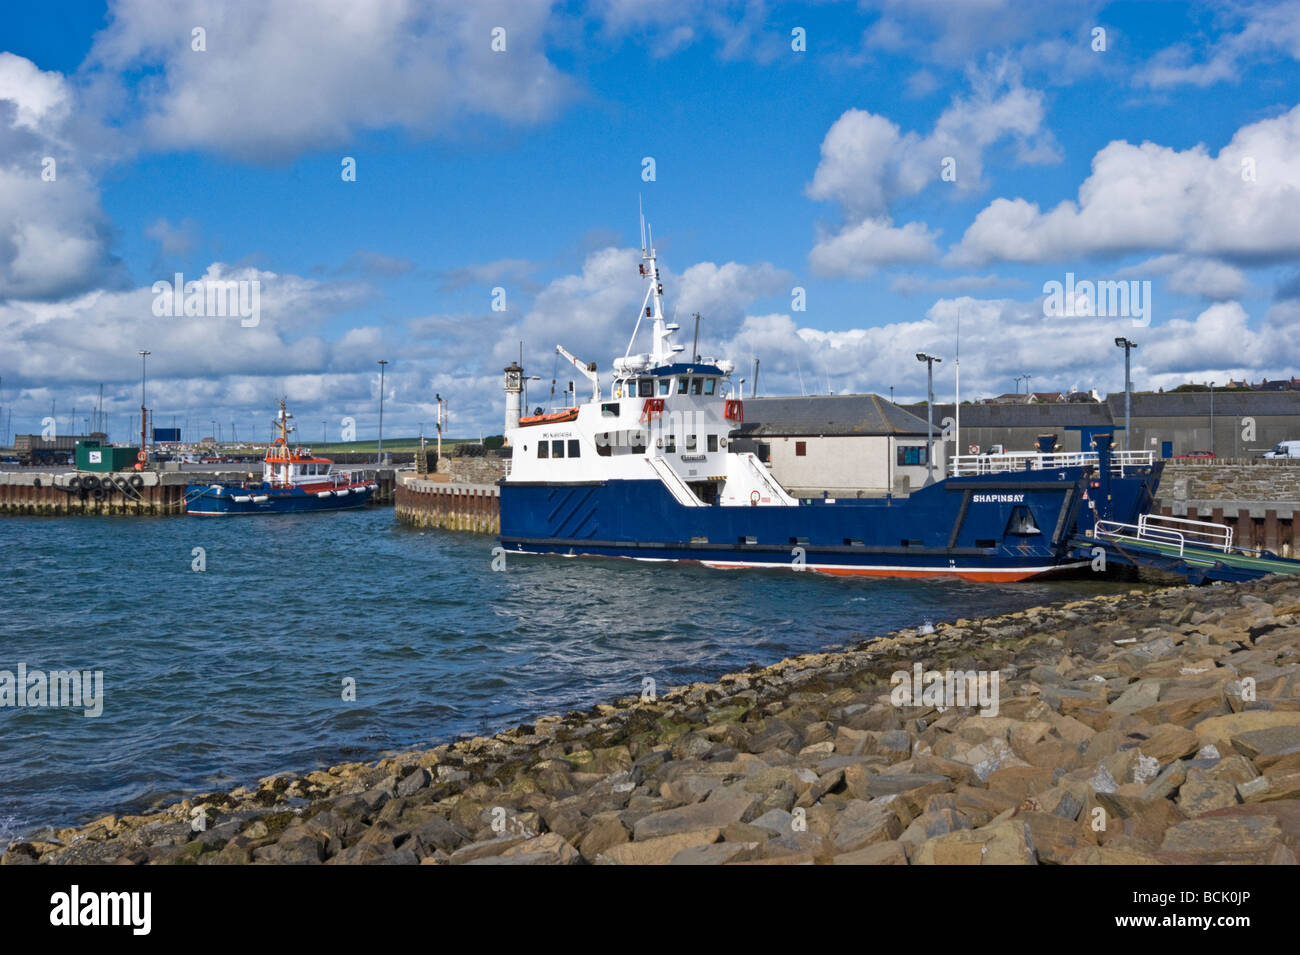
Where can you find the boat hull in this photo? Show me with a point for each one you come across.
(958, 528)
(206, 501)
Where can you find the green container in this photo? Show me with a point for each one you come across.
(103, 458)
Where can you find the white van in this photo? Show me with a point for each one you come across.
(1285, 449)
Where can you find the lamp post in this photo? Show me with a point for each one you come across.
(380, 452)
(1128, 347)
(144, 355)
(929, 414)
(1211, 419)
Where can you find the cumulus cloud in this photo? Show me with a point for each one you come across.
(1267, 32)
(1002, 338)
(1151, 197)
(868, 164)
(287, 76)
(1189, 275)
(54, 236)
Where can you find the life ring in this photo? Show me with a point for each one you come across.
(142, 456)
(754, 497)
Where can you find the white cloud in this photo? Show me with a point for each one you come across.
(858, 250)
(54, 236)
(1269, 31)
(1188, 275)
(1003, 338)
(868, 164)
(1153, 197)
(286, 76)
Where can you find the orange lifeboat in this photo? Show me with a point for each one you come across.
(555, 417)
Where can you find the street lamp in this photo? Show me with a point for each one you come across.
(382, 363)
(144, 355)
(1128, 347)
(1211, 419)
(929, 414)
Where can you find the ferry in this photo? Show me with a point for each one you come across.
(293, 480)
(651, 471)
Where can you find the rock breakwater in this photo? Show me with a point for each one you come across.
(1144, 728)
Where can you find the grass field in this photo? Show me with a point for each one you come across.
(390, 444)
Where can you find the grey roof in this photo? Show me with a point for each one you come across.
(828, 415)
(1048, 415)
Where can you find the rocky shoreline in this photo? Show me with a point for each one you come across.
(1142, 728)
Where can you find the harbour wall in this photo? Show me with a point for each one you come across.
(1259, 498)
(458, 507)
(130, 493)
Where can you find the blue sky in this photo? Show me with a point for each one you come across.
(521, 169)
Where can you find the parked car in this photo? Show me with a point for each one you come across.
(1195, 456)
(1285, 449)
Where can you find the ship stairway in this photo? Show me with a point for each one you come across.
(678, 488)
(1198, 550)
(777, 492)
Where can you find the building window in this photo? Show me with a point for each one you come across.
(800, 449)
(573, 448)
(713, 442)
(911, 456)
(557, 449)
(543, 449)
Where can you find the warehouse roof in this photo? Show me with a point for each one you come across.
(828, 415)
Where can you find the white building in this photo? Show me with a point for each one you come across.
(841, 445)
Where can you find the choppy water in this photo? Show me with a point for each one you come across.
(214, 678)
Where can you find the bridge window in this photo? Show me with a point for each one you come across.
(557, 449)
(647, 386)
(682, 385)
(709, 385)
(910, 456)
(664, 385)
(573, 448)
(697, 384)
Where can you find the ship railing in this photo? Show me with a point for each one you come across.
(966, 464)
(1161, 529)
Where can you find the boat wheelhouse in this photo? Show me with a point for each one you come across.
(648, 471)
(293, 479)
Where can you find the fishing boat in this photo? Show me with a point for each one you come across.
(652, 470)
(293, 480)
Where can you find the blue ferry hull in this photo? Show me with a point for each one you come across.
(203, 500)
(970, 527)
